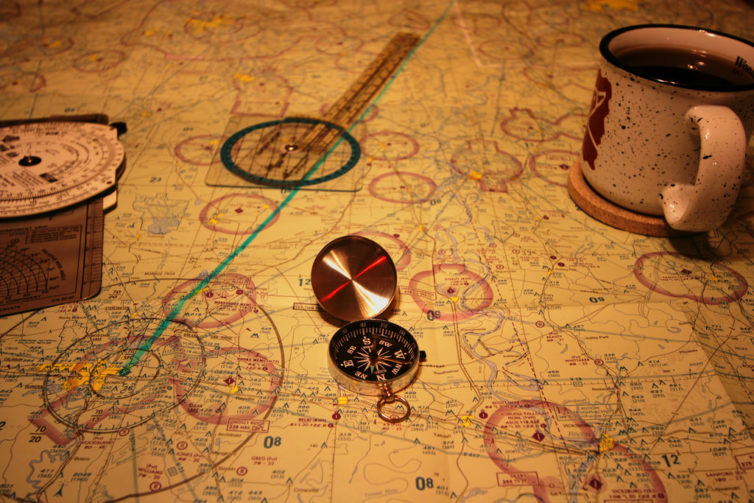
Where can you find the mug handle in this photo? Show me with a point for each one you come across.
(705, 204)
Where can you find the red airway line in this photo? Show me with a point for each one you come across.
(341, 287)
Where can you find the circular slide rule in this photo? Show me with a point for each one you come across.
(45, 166)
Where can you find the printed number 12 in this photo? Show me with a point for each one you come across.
(671, 460)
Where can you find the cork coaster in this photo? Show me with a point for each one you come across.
(606, 212)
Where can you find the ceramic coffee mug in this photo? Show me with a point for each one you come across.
(671, 115)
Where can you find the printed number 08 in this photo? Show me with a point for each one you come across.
(422, 483)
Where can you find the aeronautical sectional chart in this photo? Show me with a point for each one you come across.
(331, 251)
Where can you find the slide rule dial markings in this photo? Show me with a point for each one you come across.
(45, 166)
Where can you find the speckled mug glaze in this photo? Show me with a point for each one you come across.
(663, 148)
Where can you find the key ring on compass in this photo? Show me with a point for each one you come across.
(388, 399)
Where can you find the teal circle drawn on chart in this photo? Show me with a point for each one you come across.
(230, 165)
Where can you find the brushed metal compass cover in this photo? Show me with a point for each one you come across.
(354, 278)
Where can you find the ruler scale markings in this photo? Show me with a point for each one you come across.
(347, 108)
(371, 80)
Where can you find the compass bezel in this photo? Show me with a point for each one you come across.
(348, 377)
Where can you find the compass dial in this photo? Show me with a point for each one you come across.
(366, 356)
(45, 166)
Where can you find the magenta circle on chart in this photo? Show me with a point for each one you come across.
(256, 368)
(673, 269)
(223, 301)
(552, 166)
(543, 424)
(197, 150)
(344, 45)
(414, 187)
(487, 163)
(389, 146)
(410, 20)
(99, 61)
(210, 28)
(465, 289)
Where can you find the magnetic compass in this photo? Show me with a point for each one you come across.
(378, 358)
(45, 166)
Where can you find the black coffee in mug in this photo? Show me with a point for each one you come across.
(685, 67)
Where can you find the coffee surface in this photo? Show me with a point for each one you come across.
(688, 68)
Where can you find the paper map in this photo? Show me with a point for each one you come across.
(566, 360)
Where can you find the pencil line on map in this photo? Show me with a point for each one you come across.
(469, 42)
(165, 322)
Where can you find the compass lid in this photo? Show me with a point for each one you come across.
(354, 278)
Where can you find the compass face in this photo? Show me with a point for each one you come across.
(366, 355)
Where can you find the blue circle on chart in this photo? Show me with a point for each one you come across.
(307, 180)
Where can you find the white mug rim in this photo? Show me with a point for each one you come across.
(608, 55)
